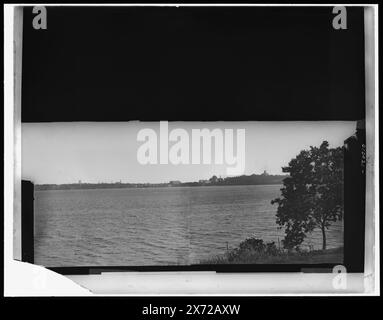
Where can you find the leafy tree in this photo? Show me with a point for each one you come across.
(312, 195)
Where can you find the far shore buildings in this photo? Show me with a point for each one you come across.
(175, 183)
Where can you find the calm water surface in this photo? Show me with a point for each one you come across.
(155, 226)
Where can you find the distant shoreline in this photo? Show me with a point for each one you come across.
(37, 187)
(262, 179)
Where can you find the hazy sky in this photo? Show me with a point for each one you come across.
(107, 152)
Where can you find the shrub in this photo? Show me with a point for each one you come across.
(252, 244)
(253, 249)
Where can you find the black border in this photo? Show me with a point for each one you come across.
(27, 221)
(339, 97)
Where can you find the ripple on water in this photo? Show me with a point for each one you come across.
(155, 226)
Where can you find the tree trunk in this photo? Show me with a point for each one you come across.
(324, 237)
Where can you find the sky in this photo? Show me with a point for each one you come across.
(107, 151)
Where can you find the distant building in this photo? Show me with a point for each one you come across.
(213, 179)
(265, 173)
(175, 183)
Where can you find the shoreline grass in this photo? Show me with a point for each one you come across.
(254, 251)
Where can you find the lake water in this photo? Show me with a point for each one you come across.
(155, 226)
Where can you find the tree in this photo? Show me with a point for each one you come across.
(213, 179)
(312, 195)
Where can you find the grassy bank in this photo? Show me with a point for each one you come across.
(254, 251)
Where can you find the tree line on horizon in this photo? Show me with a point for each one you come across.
(254, 179)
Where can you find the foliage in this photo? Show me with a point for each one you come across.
(279, 256)
(254, 247)
(312, 196)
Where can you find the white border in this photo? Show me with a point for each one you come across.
(21, 279)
